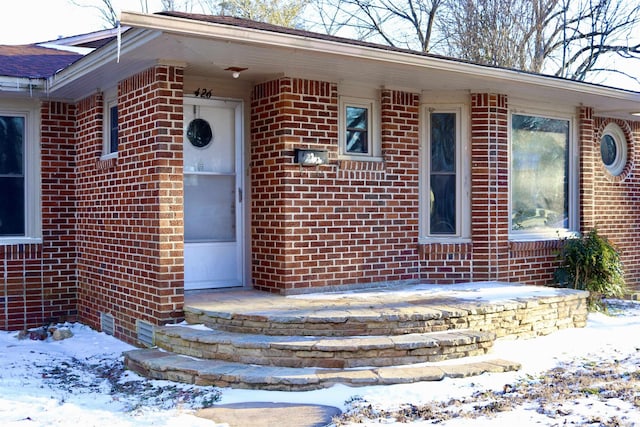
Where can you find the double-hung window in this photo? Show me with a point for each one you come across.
(541, 182)
(445, 175)
(19, 172)
(359, 138)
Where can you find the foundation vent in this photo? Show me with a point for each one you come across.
(145, 332)
(107, 323)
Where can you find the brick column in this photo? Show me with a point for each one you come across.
(490, 186)
(587, 148)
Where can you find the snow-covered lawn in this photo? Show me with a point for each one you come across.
(587, 376)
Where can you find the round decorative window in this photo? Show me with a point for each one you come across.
(613, 149)
(199, 133)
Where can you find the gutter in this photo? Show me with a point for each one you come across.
(22, 84)
(225, 32)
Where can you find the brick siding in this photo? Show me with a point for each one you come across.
(130, 243)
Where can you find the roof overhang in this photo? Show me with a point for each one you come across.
(209, 49)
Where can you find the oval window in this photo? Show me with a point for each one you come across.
(613, 149)
(199, 133)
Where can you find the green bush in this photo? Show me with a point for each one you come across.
(591, 262)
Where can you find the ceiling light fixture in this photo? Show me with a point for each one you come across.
(235, 71)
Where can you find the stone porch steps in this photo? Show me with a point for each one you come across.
(162, 365)
(323, 352)
(389, 336)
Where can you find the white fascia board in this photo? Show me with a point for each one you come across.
(182, 26)
(98, 58)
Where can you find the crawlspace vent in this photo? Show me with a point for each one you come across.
(106, 323)
(145, 333)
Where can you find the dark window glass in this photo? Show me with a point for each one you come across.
(608, 150)
(12, 185)
(442, 177)
(357, 130)
(113, 127)
(539, 173)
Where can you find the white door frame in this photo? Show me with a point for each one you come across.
(239, 249)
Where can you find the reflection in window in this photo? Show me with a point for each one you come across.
(113, 128)
(12, 177)
(442, 176)
(357, 130)
(539, 173)
(613, 149)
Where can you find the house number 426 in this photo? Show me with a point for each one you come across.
(203, 93)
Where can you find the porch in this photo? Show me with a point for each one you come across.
(382, 335)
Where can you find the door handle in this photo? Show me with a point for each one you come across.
(239, 195)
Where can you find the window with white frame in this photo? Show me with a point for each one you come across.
(110, 125)
(359, 136)
(445, 176)
(541, 178)
(613, 149)
(19, 172)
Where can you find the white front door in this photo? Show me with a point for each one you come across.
(213, 217)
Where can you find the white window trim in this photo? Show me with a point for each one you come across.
(463, 174)
(615, 131)
(110, 98)
(33, 207)
(551, 233)
(373, 132)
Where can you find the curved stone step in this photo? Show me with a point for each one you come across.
(334, 321)
(323, 352)
(162, 365)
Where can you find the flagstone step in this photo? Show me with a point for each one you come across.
(323, 352)
(335, 321)
(163, 365)
(389, 314)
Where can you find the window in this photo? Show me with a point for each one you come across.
(110, 125)
(540, 179)
(359, 138)
(19, 172)
(12, 176)
(613, 149)
(445, 174)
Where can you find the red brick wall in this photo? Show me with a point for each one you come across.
(38, 281)
(349, 222)
(614, 202)
(130, 212)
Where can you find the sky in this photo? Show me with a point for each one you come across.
(29, 21)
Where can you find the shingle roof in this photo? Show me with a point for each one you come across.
(32, 61)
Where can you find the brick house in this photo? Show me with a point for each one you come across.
(196, 152)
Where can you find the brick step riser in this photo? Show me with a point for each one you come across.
(323, 358)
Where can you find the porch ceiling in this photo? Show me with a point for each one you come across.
(207, 49)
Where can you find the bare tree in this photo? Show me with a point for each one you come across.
(279, 12)
(571, 39)
(401, 23)
(576, 39)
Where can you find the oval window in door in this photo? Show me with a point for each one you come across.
(199, 133)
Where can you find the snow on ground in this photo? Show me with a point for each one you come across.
(80, 381)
